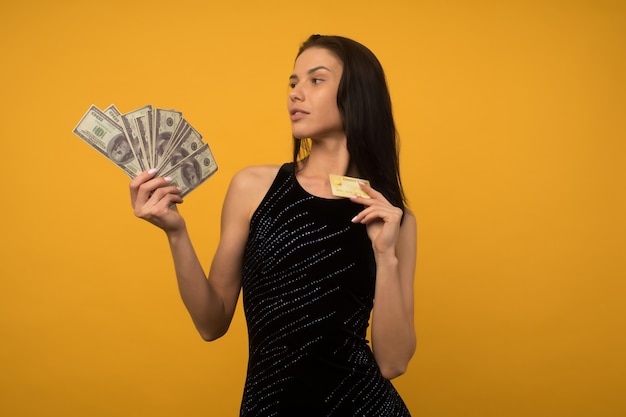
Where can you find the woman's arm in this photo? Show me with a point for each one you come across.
(393, 328)
(395, 246)
(211, 300)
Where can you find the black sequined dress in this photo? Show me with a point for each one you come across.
(308, 288)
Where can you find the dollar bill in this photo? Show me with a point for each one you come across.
(147, 138)
(193, 170)
(188, 142)
(174, 142)
(114, 114)
(104, 135)
(138, 125)
(165, 124)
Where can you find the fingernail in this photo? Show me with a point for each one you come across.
(152, 171)
(168, 179)
(353, 219)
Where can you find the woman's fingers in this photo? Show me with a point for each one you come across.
(154, 199)
(159, 200)
(370, 191)
(137, 183)
(144, 186)
(151, 195)
(375, 207)
(381, 218)
(388, 214)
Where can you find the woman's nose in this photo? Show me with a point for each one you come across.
(295, 94)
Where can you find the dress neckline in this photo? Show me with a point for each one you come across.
(292, 173)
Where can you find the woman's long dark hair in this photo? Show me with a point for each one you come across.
(365, 107)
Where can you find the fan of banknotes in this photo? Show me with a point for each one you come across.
(149, 138)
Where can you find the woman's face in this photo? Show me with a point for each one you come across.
(312, 102)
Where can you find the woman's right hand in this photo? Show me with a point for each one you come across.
(155, 199)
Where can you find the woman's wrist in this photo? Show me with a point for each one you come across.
(176, 234)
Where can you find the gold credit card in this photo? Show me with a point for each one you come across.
(347, 186)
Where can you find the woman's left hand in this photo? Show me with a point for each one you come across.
(381, 218)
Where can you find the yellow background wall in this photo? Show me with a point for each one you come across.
(511, 115)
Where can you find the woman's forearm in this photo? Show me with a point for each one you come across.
(204, 304)
(393, 332)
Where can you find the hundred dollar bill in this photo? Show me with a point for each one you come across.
(188, 142)
(138, 127)
(193, 170)
(343, 186)
(114, 114)
(104, 135)
(174, 141)
(165, 124)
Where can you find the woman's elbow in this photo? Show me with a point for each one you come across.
(393, 371)
(209, 335)
(397, 364)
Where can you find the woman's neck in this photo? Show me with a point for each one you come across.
(330, 157)
(327, 157)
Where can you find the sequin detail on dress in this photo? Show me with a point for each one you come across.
(308, 288)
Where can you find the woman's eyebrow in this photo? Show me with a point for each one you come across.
(312, 70)
(309, 72)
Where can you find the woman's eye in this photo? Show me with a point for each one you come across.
(317, 80)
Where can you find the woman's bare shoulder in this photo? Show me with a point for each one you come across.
(409, 213)
(409, 219)
(249, 185)
(257, 176)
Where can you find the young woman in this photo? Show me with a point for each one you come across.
(311, 266)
